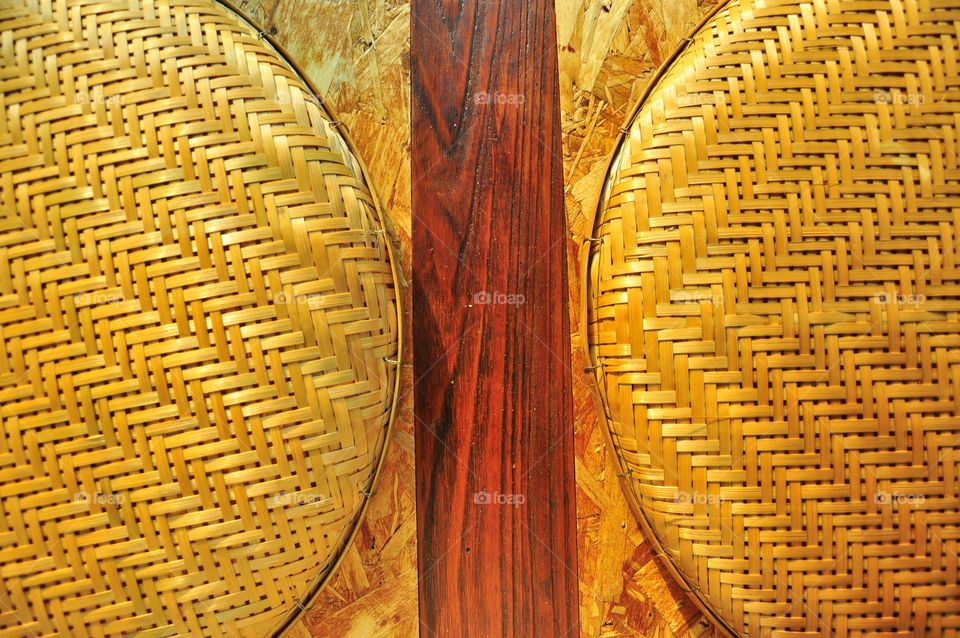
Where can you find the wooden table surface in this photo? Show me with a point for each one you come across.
(358, 55)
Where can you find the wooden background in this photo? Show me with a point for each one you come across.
(357, 54)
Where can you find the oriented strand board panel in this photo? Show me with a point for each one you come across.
(608, 50)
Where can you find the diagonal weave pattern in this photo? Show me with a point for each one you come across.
(197, 325)
(774, 313)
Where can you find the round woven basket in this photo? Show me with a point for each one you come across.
(772, 316)
(199, 334)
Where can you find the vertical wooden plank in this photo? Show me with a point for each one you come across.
(494, 432)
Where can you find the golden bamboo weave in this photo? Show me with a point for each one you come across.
(773, 316)
(198, 325)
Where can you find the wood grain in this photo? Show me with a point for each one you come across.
(494, 433)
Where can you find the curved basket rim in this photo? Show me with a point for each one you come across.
(691, 588)
(291, 616)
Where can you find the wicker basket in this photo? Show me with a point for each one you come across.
(198, 325)
(772, 310)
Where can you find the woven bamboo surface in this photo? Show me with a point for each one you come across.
(773, 310)
(198, 325)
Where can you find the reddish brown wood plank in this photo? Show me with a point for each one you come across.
(490, 324)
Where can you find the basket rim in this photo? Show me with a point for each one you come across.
(690, 587)
(298, 611)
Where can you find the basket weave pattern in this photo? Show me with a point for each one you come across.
(197, 318)
(774, 313)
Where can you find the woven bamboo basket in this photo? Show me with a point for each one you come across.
(198, 325)
(772, 316)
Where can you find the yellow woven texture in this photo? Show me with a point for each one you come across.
(774, 310)
(197, 321)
